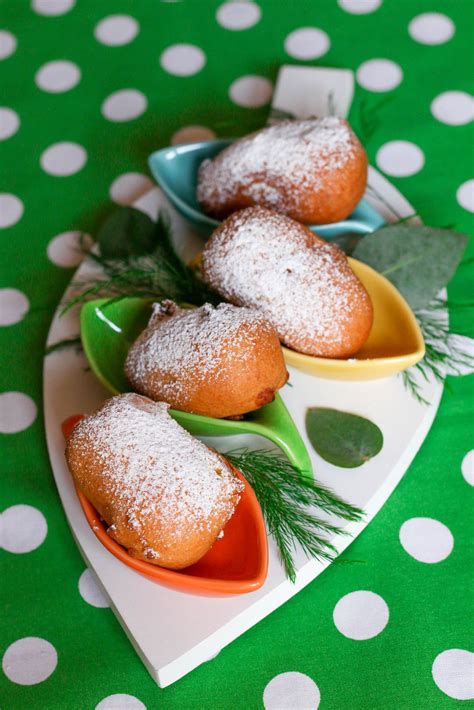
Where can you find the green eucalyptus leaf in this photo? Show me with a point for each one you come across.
(418, 260)
(163, 239)
(341, 438)
(347, 242)
(125, 233)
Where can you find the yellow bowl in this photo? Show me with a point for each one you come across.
(395, 342)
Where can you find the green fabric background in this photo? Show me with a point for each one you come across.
(430, 605)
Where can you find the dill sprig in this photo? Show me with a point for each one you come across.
(74, 341)
(159, 274)
(287, 500)
(444, 354)
(368, 119)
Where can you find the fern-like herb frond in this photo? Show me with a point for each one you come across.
(288, 501)
(444, 353)
(159, 275)
(74, 341)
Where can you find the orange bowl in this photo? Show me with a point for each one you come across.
(235, 564)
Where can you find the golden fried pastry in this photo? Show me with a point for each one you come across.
(302, 284)
(164, 494)
(314, 171)
(220, 362)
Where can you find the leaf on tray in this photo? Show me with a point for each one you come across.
(126, 232)
(418, 260)
(341, 438)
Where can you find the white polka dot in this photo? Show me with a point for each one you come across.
(453, 107)
(9, 123)
(361, 615)
(120, 701)
(291, 691)
(379, 75)
(431, 28)
(238, 15)
(359, 7)
(182, 59)
(22, 529)
(465, 195)
(400, 158)
(124, 105)
(467, 467)
(251, 91)
(29, 661)
(52, 8)
(426, 539)
(67, 249)
(11, 209)
(91, 591)
(17, 412)
(307, 43)
(8, 44)
(127, 188)
(63, 159)
(14, 306)
(58, 76)
(453, 673)
(192, 134)
(116, 30)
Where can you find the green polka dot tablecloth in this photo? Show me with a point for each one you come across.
(88, 90)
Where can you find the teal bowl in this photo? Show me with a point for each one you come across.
(175, 170)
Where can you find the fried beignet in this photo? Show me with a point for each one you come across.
(164, 494)
(313, 170)
(221, 362)
(302, 284)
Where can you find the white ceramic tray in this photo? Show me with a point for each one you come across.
(173, 632)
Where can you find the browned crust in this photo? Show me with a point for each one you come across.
(356, 323)
(234, 386)
(327, 196)
(86, 465)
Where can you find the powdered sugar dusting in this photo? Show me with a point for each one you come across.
(302, 284)
(152, 467)
(181, 346)
(272, 167)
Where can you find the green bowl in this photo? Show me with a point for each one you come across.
(175, 170)
(110, 327)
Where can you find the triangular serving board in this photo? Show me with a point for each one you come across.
(173, 632)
